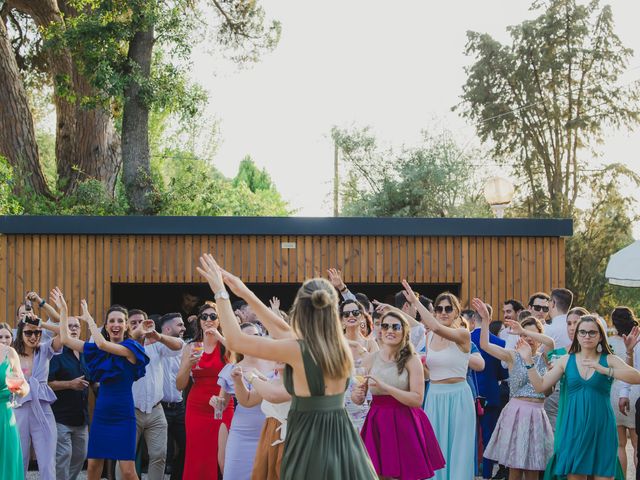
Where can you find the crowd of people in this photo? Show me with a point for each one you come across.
(338, 387)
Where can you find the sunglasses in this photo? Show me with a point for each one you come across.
(32, 333)
(442, 309)
(396, 327)
(209, 316)
(348, 313)
(588, 333)
(540, 308)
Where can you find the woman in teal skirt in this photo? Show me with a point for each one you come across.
(10, 450)
(587, 423)
(321, 442)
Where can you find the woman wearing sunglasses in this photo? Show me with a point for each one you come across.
(396, 432)
(449, 401)
(353, 314)
(34, 418)
(523, 438)
(589, 436)
(206, 428)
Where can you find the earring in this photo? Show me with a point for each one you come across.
(599, 348)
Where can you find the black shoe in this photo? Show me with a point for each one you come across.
(501, 474)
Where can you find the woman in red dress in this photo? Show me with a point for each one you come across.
(202, 426)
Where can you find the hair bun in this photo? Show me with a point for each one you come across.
(320, 299)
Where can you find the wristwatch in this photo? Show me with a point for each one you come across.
(528, 367)
(221, 294)
(252, 377)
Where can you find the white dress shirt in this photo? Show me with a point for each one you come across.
(148, 390)
(170, 366)
(557, 330)
(625, 388)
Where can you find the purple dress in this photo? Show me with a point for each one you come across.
(113, 428)
(36, 423)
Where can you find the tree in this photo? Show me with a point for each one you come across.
(542, 103)
(543, 100)
(433, 179)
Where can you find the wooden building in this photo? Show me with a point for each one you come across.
(108, 259)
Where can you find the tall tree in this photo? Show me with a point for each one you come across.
(544, 100)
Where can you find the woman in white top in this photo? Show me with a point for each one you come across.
(449, 402)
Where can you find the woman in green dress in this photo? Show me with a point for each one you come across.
(10, 451)
(321, 442)
(589, 444)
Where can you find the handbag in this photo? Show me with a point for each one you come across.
(480, 401)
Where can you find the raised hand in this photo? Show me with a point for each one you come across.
(479, 306)
(210, 270)
(515, 328)
(85, 316)
(58, 300)
(274, 304)
(632, 339)
(335, 277)
(148, 328)
(524, 349)
(236, 372)
(381, 307)
(235, 284)
(409, 294)
(33, 297)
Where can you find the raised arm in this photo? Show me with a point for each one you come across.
(553, 376)
(43, 305)
(67, 340)
(494, 350)
(385, 307)
(101, 342)
(273, 322)
(476, 362)
(172, 343)
(516, 329)
(460, 336)
(335, 277)
(617, 369)
(189, 360)
(270, 391)
(286, 350)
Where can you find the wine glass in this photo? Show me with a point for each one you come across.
(14, 382)
(198, 349)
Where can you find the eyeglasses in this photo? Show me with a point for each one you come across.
(31, 333)
(209, 316)
(74, 327)
(445, 308)
(540, 308)
(396, 327)
(348, 313)
(589, 333)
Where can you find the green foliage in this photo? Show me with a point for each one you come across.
(8, 204)
(433, 179)
(252, 177)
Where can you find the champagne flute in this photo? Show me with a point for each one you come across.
(198, 349)
(14, 382)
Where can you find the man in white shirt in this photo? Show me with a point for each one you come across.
(510, 310)
(559, 305)
(148, 390)
(172, 325)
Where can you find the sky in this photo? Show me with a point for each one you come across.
(395, 66)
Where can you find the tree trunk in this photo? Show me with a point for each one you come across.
(17, 134)
(135, 129)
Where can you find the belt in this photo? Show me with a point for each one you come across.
(151, 407)
(172, 405)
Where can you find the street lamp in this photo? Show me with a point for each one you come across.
(498, 192)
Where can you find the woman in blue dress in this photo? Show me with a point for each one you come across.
(116, 362)
(590, 440)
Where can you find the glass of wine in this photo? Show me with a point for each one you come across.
(198, 349)
(14, 382)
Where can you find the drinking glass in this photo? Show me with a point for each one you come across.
(198, 349)
(13, 381)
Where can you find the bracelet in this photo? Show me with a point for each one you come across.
(342, 290)
(42, 303)
(610, 372)
(528, 367)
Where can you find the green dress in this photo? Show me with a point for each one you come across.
(10, 451)
(321, 442)
(586, 434)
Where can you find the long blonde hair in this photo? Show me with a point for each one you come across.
(405, 348)
(314, 319)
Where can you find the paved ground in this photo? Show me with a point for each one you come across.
(631, 472)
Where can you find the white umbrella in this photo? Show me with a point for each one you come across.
(624, 266)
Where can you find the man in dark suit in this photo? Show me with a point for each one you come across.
(489, 388)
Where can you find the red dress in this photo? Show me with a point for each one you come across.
(201, 457)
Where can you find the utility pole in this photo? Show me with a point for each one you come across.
(336, 181)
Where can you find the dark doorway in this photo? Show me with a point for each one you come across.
(164, 298)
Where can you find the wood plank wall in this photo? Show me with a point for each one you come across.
(84, 266)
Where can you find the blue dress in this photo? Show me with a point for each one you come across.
(113, 428)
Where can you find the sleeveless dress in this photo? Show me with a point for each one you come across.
(113, 428)
(201, 456)
(589, 436)
(321, 441)
(243, 434)
(10, 450)
(399, 438)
